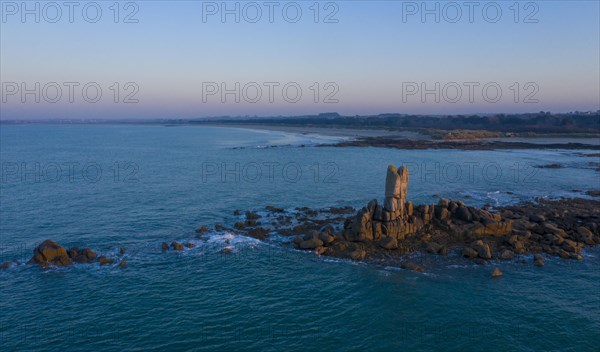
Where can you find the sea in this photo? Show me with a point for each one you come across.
(136, 186)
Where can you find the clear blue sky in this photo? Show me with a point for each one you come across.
(375, 51)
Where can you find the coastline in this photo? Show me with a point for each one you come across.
(414, 140)
(333, 131)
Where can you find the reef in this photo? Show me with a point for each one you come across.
(390, 230)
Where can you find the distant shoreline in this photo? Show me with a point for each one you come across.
(413, 140)
(334, 131)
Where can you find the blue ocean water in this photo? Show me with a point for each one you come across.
(137, 186)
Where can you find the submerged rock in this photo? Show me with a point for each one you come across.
(201, 230)
(105, 260)
(412, 266)
(538, 260)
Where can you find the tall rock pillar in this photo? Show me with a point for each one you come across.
(396, 188)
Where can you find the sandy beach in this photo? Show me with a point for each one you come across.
(335, 131)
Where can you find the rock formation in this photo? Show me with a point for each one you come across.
(394, 219)
(396, 187)
(398, 217)
(50, 253)
(555, 227)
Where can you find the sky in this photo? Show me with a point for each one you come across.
(192, 59)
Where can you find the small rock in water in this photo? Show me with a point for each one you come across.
(550, 166)
(252, 216)
(122, 250)
(176, 246)
(226, 250)
(201, 230)
(239, 225)
(5, 265)
(496, 272)
(190, 245)
(104, 260)
(165, 246)
(122, 264)
(538, 260)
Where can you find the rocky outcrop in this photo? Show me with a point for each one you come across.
(83, 256)
(176, 246)
(396, 218)
(396, 227)
(50, 253)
